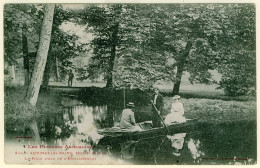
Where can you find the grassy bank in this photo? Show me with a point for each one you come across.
(207, 107)
(19, 113)
(208, 110)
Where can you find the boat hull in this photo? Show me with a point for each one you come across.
(112, 136)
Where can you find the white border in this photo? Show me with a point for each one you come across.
(2, 164)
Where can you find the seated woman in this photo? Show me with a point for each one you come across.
(128, 120)
(176, 116)
(177, 112)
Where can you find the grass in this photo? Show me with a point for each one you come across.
(19, 113)
(203, 91)
(208, 106)
(188, 91)
(209, 110)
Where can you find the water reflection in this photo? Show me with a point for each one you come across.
(74, 126)
(194, 147)
(128, 149)
(225, 143)
(159, 150)
(177, 141)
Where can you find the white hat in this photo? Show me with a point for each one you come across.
(130, 104)
(176, 97)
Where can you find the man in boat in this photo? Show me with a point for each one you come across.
(157, 100)
(128, 119)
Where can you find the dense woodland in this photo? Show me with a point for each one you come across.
(135, 45)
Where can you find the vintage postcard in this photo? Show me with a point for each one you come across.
(129, 83)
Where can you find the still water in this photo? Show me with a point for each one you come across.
(224, 143)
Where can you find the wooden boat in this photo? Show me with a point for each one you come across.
(117, 135)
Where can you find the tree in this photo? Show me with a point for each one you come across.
(139, 65)
(21, 27)
(150, 36)
(116, 41)
(192, 34)
(41, 58)
(238, 67)
(155, 34)
(184, 33)
(104, 19)
(63, 47)
(215, 33)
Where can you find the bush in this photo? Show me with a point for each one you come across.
(239, 74)
(237, 86)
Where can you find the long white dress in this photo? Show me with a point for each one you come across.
(176, 116)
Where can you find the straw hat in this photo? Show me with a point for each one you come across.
(176, 97)
(130, 104)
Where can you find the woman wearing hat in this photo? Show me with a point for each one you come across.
(128, 119)
(177, 112)
(176, 116)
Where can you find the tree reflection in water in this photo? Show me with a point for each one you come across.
(159, 150)
(78, 125)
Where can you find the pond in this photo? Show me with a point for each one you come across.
(223, 143)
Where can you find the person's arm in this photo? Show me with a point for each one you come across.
(181, 109)
(172, 109)
(132, 118)
(167, 120)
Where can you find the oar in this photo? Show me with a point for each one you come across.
(160, 116)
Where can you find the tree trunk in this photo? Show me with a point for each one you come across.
(25, 60)
(41, 58)
(46, 75)
(40, 62)
(176, 86)
(34, 127)
(180, 67)
(112, 58)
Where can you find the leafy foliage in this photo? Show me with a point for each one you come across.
(239, 74)
(27, 19)
(18, 19)
(130, 66)
(63, 45)
(139, 44)
(238, 57)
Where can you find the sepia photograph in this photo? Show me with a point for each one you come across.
(129, 84)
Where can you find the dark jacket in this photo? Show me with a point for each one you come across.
(159, 102)
(156, 120)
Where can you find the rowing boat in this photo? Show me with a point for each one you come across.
(117, 135)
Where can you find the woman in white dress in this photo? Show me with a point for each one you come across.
(176, 116)
(177, 112)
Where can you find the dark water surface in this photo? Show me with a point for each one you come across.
(223, 143)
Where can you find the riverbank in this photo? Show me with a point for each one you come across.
(18, 113)
(209, 107)
(208, 110)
